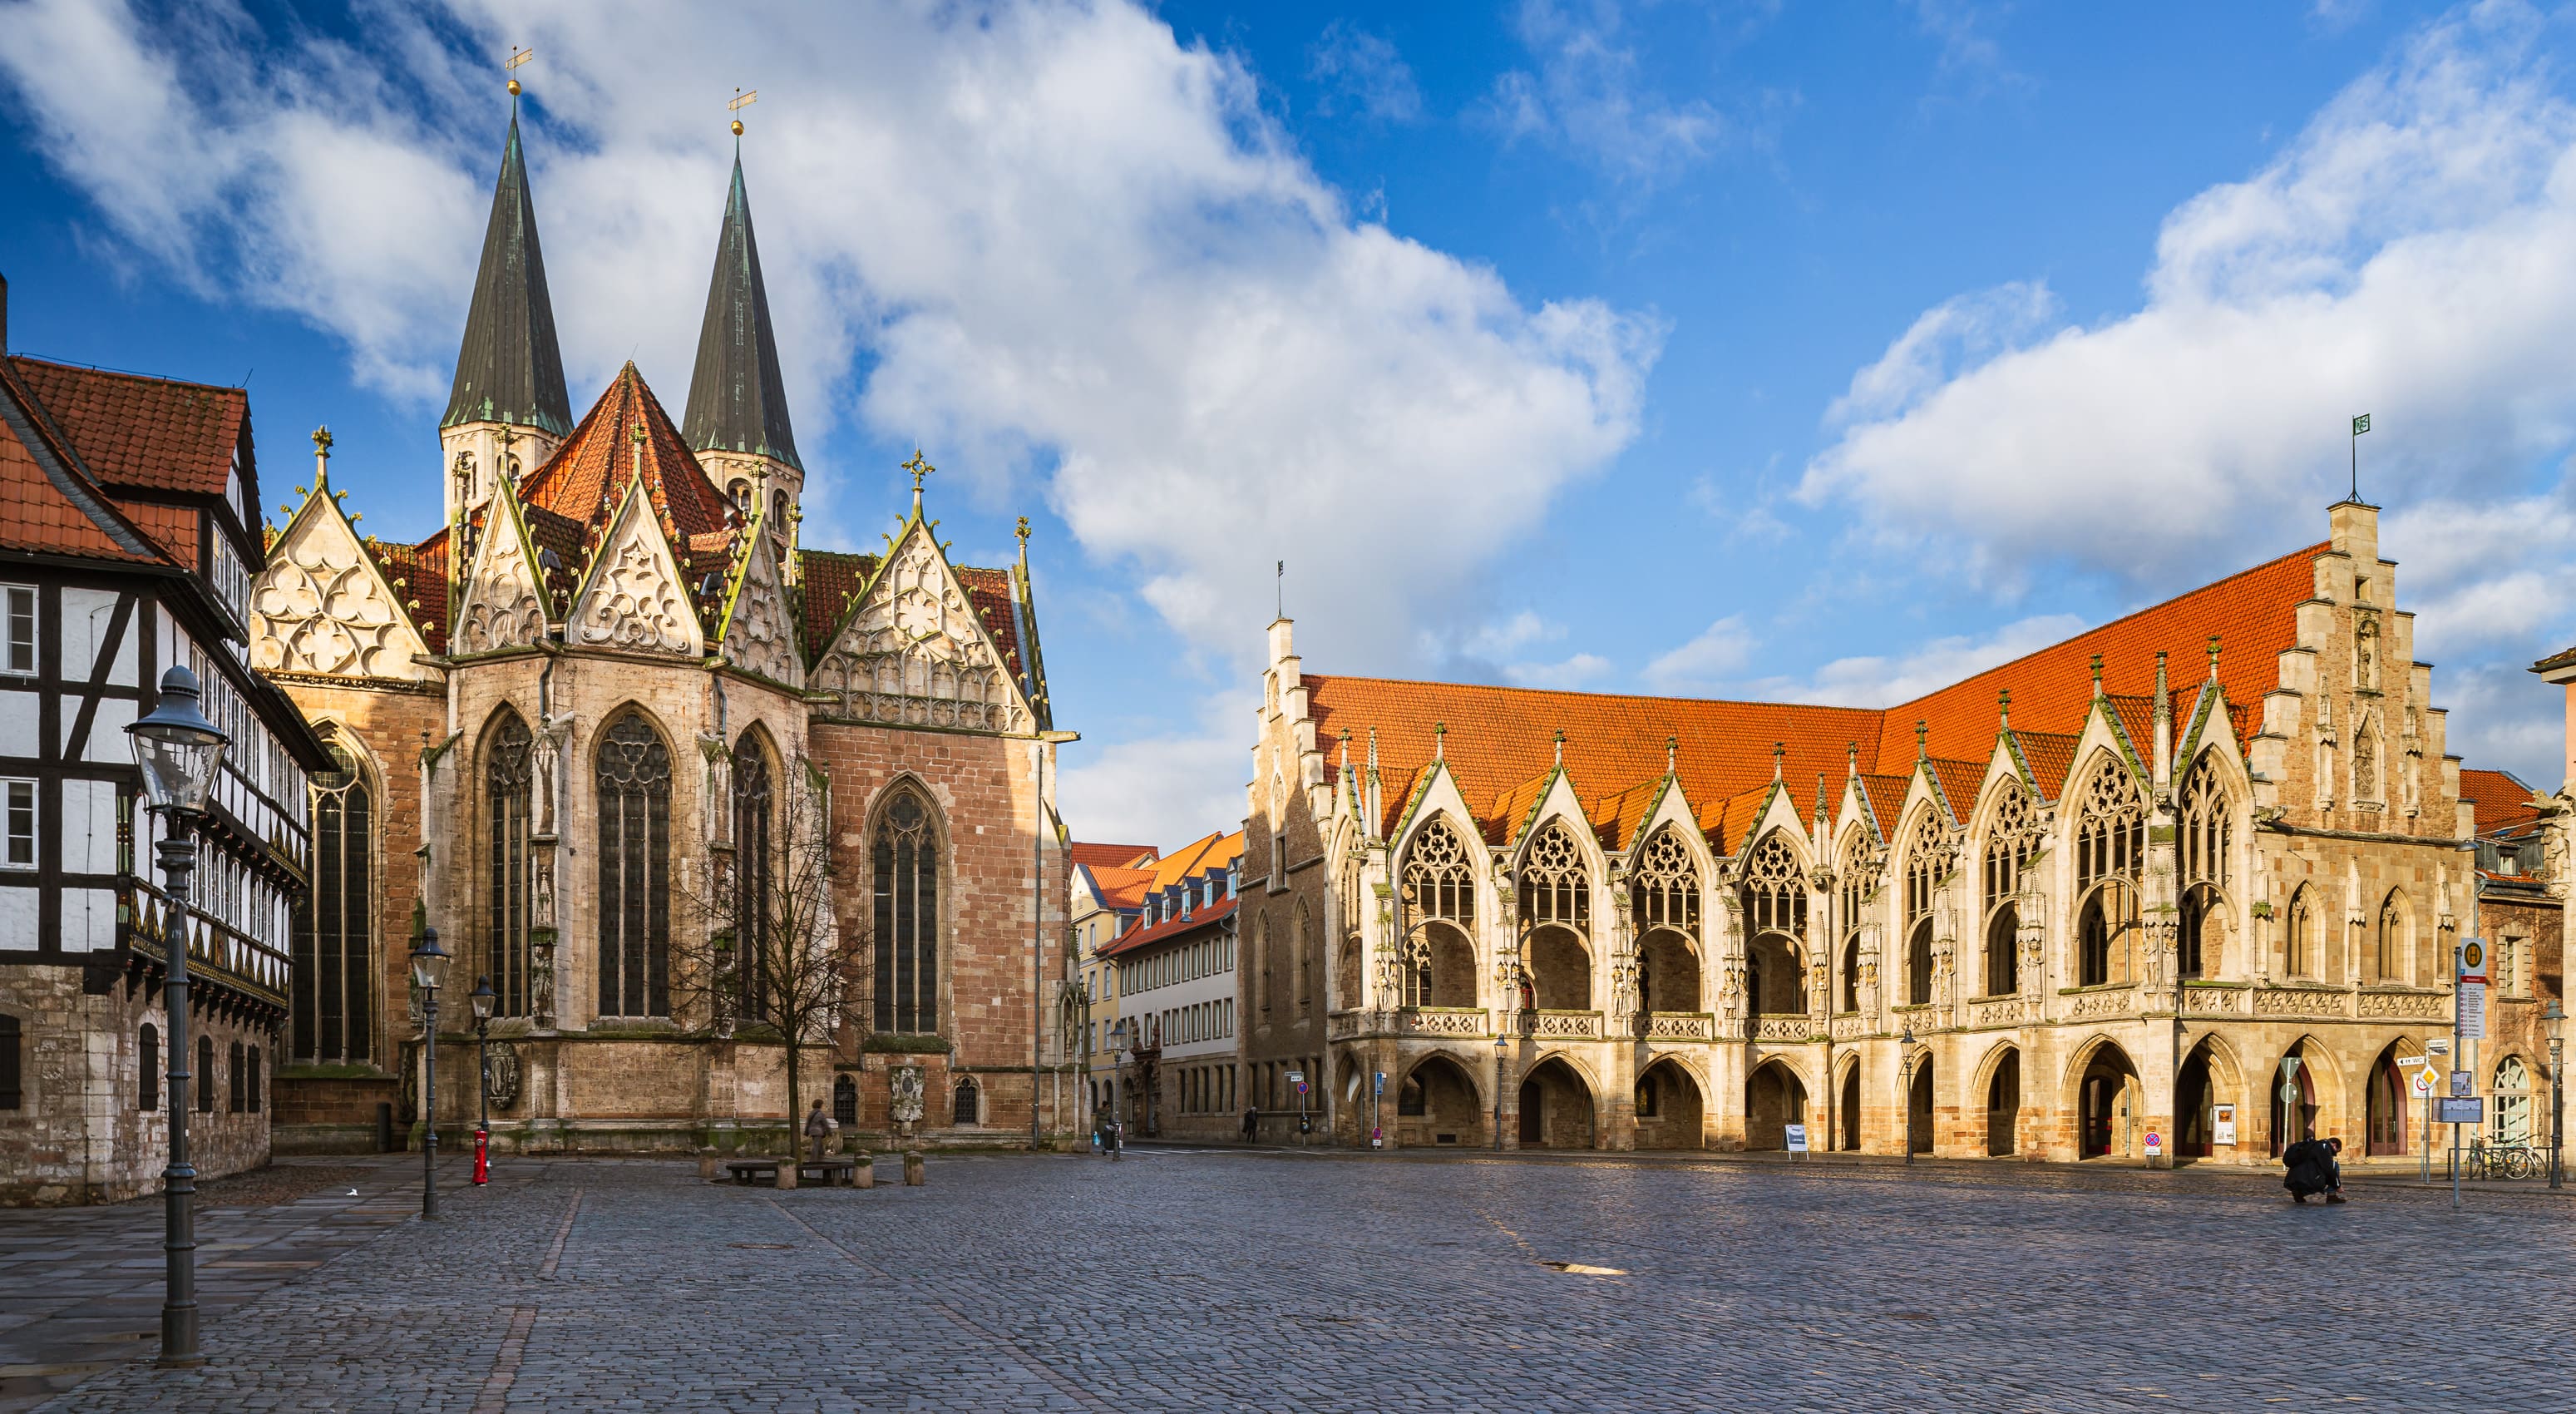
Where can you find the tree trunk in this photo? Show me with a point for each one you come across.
(795, 1105)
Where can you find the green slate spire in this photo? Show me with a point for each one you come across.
(737, 401)
(509, 368)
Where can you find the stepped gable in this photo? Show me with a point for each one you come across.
(2501, 800)
(737, 400)
(155, 434)
(509, 369)
(587, 477)
(47, 506)
(2255, 613)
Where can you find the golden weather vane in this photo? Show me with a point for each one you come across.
(518, 56)
(741, 100)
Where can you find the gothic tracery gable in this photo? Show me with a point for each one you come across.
(759, 635)
(634, 598)
(502, 608)
(914, 652)
(322, 607)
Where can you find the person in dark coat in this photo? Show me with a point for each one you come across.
(2313, 1169)
(1251, 1124)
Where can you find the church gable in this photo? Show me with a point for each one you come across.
(759, 635)
(502, 607)
(633, 598)
(914, 651)
(322, 607)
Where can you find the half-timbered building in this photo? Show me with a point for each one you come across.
(127, 543)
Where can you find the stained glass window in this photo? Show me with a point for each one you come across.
(905, 862)
(634, 870)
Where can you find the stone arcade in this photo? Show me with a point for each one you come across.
(2091, 896)
(575, 725)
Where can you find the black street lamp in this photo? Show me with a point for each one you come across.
(482, 998)
(1906, 1043)
(179, 752)
(428, 970)
(1502, 1049)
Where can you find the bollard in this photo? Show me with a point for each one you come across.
(912, 1168)
(787, 1171)
(707, 1164)
(865, 1175)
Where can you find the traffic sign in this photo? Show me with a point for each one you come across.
(2473, 960)
(1381, 1084)
(2155, 1144)
(2423, 1082)
(1296, 1077)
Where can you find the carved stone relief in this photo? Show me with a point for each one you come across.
(916, 654)
(635, 598)
(502, 608)
(758, 638)
(320, 607)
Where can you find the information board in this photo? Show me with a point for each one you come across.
(2469, 1111)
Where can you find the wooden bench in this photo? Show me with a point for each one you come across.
(752, 1170)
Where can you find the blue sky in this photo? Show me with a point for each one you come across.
(1824, 351)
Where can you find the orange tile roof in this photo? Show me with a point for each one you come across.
(831, 581)
(134, 431)
(418, 574)
(2500, 800)
(1500, 740)
(1196, 858)
(1122, 889)
(585, 480)
(1112, 856)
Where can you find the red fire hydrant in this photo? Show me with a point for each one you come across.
(482, 1154)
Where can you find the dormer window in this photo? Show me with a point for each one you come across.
(1233, 877)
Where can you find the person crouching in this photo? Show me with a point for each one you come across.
(2313, 1169)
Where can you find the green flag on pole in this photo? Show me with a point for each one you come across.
(2361, 424)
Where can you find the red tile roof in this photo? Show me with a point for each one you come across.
(1500, 739)
(418, 574)
(1122, 889)
(1112, 856)
(2500, 799)
(831, 581)
(132, 431)
(1169, 929)
(585, 480)
(47, 507)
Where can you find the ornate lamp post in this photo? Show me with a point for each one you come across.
(428, 970)
(1502, 1050)
(1906, 1042)
(179, 752)
(482, 998)
(2556, 1016)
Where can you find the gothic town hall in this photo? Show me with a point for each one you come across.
(612, 705)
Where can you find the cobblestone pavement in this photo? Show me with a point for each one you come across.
(1182, 1280)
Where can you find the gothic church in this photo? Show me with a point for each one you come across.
(587, 725)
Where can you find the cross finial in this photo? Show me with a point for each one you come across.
(1851, 758)
(322, 440)
(920, 467)
(1922, 742)
(321, 456)
(2097, 674)
(2003, 707)
(2213, 657)
(1024, 531)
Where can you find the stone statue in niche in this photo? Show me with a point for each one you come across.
(504, 1077)
(904, 1085)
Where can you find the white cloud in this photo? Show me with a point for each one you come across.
(2405, 256)
(1164, 789)
(1707, 662)
(1873, 681)
(1587, 96)
(1072, 250)
(1362, 73)
(1581, 670)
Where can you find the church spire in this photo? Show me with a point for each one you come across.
(737, 402)
(509, 369)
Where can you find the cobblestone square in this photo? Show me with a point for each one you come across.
(1181, 1280)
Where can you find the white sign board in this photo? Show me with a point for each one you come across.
(2223, 1122)
(2469, 1111)
(1797, 1139)
(2438, 1046)
(2473, 960)
(2472, 1013)
(2410, 1062)
(1296, 1077)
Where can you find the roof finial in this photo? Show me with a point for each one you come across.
(1922, 746)
(1560, 746)
(638, 435)
(1439, 741)
(2213, 657)
(1779, 749)
(1820, 797)
(1672, 744)
(1851, 758)
(2003, 708)
(1372, 751)
(2164, 702)
(919, 467)
(741, 100)
(1023, 533)
(1345, 759)
(2097, 674)
(321, 456)
(518, 56)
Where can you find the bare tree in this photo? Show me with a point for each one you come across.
(769, 961)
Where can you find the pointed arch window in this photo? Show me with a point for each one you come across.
(634, 870)
(1439, 881)
(754, 865)
(506, 799)
(2110, 840)
(1664, 886)
(2390, 950)
(904, 858)
(1929, 851)
(1775, 889)
(2013, 838)
(1853, 882)
(2206, 828)
(1556, 881)
(334, 976)
(2300, 944)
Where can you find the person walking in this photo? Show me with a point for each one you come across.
(818, 1128)
(1251, 1123)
